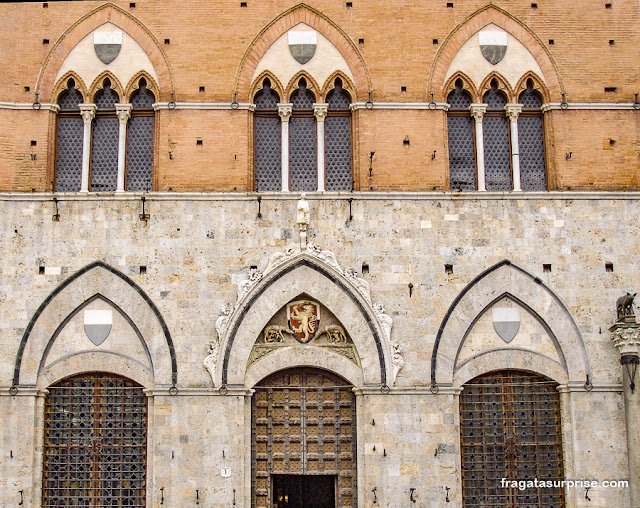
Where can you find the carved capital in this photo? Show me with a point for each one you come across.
(284, 110)
(320, 111)
(513, 111)
(478, 111)
(124, 112)
(626, 337)
(88, 112)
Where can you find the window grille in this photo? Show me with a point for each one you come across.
(104, 143)
(337, 133)
(510, 428)
(267, 140)
(497, 150)
(95, 436)
(139, 174)
(531, 140)
(303, 166)
(462, 156)
(69, 141)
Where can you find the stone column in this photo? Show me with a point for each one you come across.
(124, 113)
(284, 110)
(88, 112)
(478, 111)
(513, 111)
(320, 112)
(626, 337)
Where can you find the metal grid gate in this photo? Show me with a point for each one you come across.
(95, 437)
(303, 422)
(510, 428)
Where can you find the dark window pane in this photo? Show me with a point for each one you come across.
(267, 98)
(268, 157)
(497, 153)
(106, 98)
(462, 157)
(302, 98)
(70, 99)
(337, 133)
(494, 99)
(104, 154)
(303, 166)
(531, 99)
(459, 98)
(142, 98)
(140, 153)
(69, 154)
(530, 139)
(338, 98)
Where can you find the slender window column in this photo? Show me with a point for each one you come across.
(124, 113)
(284, 110)
(513, 111)
(88, 112)
(478, 111)
(320, 112)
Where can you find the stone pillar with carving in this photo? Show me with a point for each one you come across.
(320, 112)
(284, 110)
(124, 113)
(625, 334)
(88, 112)
(478, 111)
(513, 112)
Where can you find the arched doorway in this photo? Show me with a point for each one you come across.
(303, 452)
(510, 431)
(95, 442)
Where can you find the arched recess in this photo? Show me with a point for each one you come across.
(302, 13)
(467, 86)
(105, 13)
(506, 278)
(98, 84)
(127, 297)
(61, 86)
(475, 22)
(306, 274)
(294, 84)
(503, 86)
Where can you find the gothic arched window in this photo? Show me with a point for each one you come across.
(104, 142)
(267, 140)
(462, 156)
(303, 165)
(69, 140)
(337, 139)
(497, 151)
(139, 174)
(531, 140)
(510, 429)
(95, 442)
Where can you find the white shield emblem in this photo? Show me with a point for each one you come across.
(506, 322)
(493, 45)
(302, 45)
(97, 325)
(303, 317)
(107, 45)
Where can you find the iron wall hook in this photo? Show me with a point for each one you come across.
(161, 495)
(21, 498)
(412, 490)
(56, 216)
(144, 216)
(259, 207)
(375, 496)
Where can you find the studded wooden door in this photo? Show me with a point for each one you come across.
(304, 423)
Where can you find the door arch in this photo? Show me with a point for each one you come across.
(303, 439)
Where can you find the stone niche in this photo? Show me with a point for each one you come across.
(323, 330)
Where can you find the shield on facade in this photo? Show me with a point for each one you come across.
(302, 45)
(506, 322)
(493, 45)
(107, 45)
(97, 325)
(303, 317)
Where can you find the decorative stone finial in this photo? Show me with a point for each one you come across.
(302, 218)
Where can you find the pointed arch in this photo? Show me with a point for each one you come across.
(293, 85)
(467, 85)
(106, 13)
(258, 83)
(527, 289)
(330, 84)
(307, 274)
(538, 86)
(503, 86)
(61, 86)
(134, 84)
(110, 283)
(98, 85)
(475, 22)
(301, 13)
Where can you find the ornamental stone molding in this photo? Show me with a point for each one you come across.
(324, 257)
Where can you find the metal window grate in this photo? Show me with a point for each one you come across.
(140, 153)
(267, 98)
(104, 154)
(462, 155)
(303, 422)
(497, 153)
(95, 443)
(303, 166)
(531, 141)
(69, 154)
(337, 133)
(510, 428)
(268, 158)
(107, 97)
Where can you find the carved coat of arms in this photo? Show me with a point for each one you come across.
(303, 317)
(302, 45)
(493, 45)
(107, 45)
